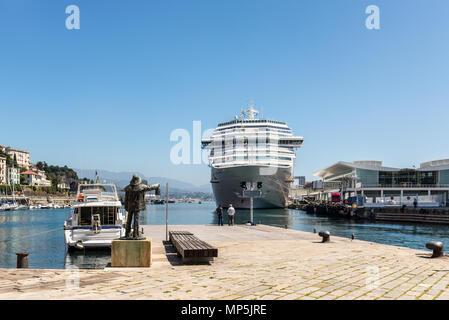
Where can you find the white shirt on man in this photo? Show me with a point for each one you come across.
(231, 211)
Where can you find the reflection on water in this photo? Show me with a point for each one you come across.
(40, 232)
(88, 259)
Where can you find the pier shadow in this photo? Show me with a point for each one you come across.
(429, 256)
(172, 255)
(424, 255)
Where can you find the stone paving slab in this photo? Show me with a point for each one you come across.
(259, 262)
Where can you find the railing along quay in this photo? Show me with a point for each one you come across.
(438, 215)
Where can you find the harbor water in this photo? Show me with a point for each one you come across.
(40, 232)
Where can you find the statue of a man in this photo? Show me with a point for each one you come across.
(135, 202)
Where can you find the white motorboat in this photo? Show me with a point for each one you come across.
(97, 218)
(9, 206)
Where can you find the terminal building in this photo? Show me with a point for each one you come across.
(381, 185)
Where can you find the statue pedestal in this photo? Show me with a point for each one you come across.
(131, 253)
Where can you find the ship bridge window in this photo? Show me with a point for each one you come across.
(85, 216)
(108, 215)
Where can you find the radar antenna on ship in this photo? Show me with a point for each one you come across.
(250, 113)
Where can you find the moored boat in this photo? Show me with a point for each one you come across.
(97, 218)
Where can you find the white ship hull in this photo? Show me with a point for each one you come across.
(226, 185)
(86, 238)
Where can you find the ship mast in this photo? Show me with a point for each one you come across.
(250, 113)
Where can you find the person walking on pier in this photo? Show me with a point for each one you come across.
(231, 212)
(219, 211)
(415, 202)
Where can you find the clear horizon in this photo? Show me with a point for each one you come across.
(109, 95)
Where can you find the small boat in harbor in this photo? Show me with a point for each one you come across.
(9, 207)
(97, 218)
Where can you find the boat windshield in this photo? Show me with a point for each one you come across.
(108, 215)
(96, 187)
(102, 191)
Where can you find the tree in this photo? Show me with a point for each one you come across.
(41, 165)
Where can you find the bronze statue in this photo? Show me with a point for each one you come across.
(135, 202)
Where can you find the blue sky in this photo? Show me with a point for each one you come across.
(108, 95)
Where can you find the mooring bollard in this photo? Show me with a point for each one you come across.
(314, 230)
(285, 226)
(325, 235)
(352, 236)
(22, 260)
(437, 248)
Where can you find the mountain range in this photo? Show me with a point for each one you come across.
(121, 180)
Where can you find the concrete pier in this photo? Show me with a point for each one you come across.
(260, 262)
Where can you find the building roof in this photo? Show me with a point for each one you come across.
(343, 167)
(30, 172)
(435, 165)
(16, 150)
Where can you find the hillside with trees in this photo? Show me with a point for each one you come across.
(58, 175)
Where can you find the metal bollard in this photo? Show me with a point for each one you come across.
(352, 236)
(437, 248)
(314, 230)
(22, 260)
(325, 235)
(285, 226)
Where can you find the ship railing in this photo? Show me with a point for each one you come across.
(401, 185)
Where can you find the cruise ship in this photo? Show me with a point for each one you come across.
(249, 153)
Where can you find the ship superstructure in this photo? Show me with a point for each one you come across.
(252, 153)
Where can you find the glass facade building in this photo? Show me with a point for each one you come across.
(366, 175)
(429, 182)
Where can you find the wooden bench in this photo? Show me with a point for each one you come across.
(192, 249)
